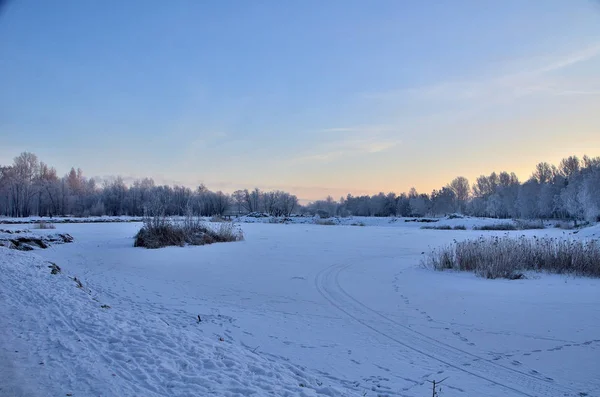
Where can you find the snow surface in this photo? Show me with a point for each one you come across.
(294, 309)
(468, 222)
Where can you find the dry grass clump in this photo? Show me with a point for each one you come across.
(506, 257)
(159, 231)
(445, 227)
(520, 224)
(442, 227)
(497, 226)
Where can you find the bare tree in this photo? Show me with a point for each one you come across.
(26, 169)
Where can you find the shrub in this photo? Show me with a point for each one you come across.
(460, 227)
(45, 225)
(159, 231)
(497, 226)
(506, 257)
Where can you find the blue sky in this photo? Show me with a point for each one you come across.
(314, 97)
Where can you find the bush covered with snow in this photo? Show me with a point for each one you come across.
(506, 257)
(160, 231)
(25, 240)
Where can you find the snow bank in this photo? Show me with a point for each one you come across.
(57, 338)
(26, 240)
(68, 219)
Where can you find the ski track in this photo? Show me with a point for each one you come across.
(328, 285)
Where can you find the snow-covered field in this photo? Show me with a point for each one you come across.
(466, 221)
(295, 309)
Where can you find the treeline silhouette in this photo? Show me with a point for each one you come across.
(569, 190)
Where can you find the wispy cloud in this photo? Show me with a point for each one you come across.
(340, 142)
(572, 59)
(362, 130)
(542, 78)
(336, 129)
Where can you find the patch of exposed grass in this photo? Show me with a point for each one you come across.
(506, 257)
(442, 227)
(497, 226)
(445, 227)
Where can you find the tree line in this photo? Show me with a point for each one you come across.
(29, 187)
(569, 190)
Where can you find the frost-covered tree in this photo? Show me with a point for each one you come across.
(462, 190)
(443, 201)
(403, 205)
(419, 203)
(570, 190)
(527, 200)
(589, 194)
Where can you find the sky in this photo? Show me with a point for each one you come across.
(313, 97)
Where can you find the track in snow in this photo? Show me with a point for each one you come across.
(521, 383)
